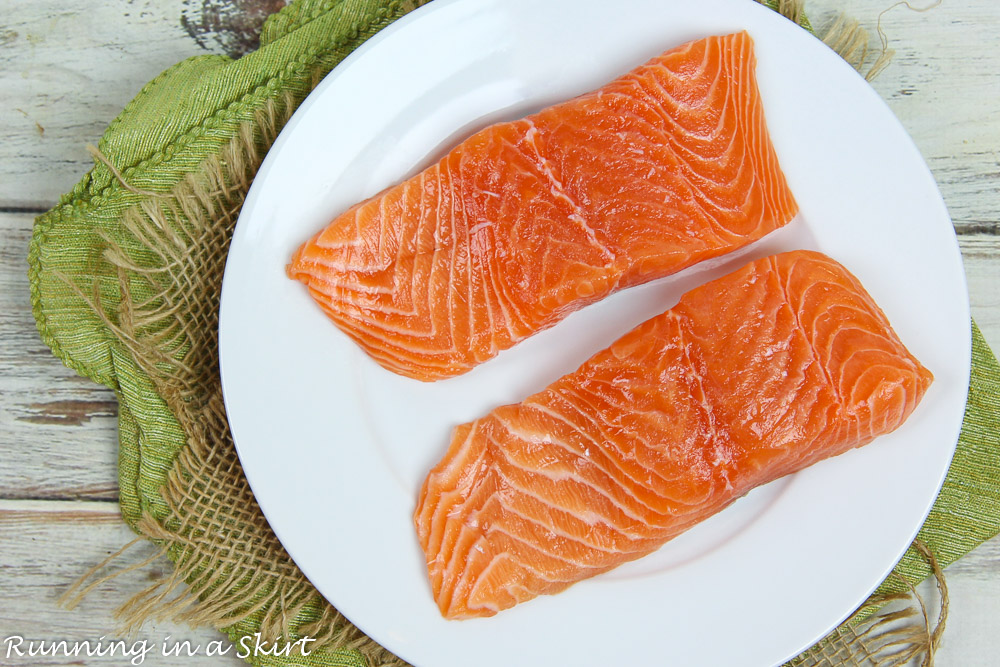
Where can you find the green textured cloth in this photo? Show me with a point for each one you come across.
(184, 115)
(192, 112)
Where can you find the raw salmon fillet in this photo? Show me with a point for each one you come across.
(750, 377)
(527, 221)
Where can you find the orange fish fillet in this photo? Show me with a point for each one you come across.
(526, 221)
(751, 377)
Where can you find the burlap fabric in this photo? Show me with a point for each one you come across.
(125, 275)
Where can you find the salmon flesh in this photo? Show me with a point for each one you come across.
(527, 221)
(748, 378)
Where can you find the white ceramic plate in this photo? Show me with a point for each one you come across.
(335, 447)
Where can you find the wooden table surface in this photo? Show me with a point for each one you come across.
(67, 67)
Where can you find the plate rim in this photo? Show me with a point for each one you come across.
(373, 43)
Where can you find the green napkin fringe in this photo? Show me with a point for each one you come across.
(198, 108)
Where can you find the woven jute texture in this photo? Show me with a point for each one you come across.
(125, 277)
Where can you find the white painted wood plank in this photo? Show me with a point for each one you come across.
(970, 638)
(981, 256)
(57, 429)
(67, 67)
(944, 86)
(44, 548)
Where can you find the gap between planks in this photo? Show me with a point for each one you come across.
(15, 510)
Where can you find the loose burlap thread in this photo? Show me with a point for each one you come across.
(230, 571)
(153, 284)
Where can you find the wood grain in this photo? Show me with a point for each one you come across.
(45, 548)
(970, 638)
(67, 67)
(230, 25)
(981, 256)
(57, 429)
(943, 86)
(15, 512)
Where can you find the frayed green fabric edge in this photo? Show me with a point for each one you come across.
(64, 251)
(185, 114)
